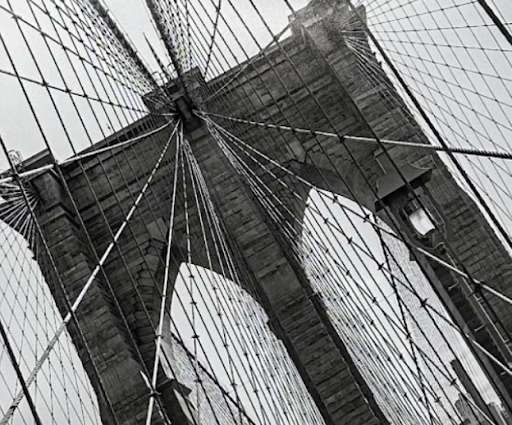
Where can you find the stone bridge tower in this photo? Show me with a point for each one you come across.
(314, 81)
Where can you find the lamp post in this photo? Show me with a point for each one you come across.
(404, 198)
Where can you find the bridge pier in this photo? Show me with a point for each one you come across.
(297, 315)
(115, 336)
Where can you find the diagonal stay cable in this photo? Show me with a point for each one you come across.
(496, 20)
(430, 124)
(116, 146)
(462, 151)
(87, 155)
(500, 364)
(159, 335)
(19, 375)
(31, 378)
(433, 257)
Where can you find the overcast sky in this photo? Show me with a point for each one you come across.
(19, 130)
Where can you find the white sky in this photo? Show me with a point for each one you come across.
(19, 131)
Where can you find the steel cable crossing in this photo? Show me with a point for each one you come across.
(293, 237)
(210, 59)
(463, 151)
(89, 282)
(367, 252)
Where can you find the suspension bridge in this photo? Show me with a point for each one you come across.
(255, 212)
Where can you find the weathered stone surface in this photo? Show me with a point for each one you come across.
(120, 332)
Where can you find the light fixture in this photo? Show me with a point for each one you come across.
(419, 217)
(405, 195)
